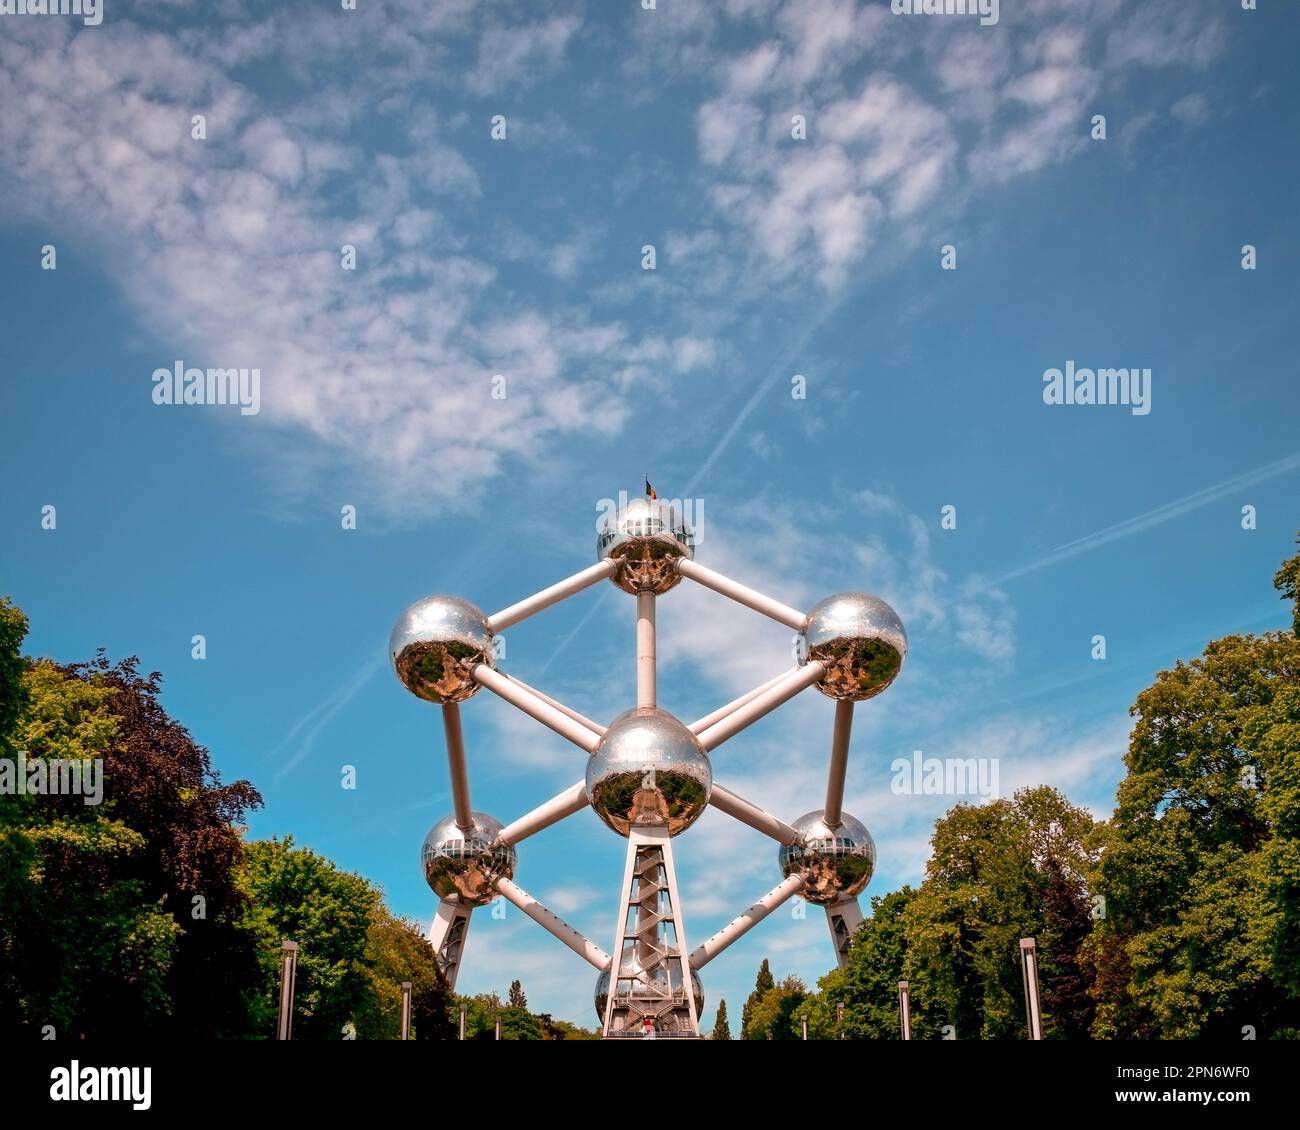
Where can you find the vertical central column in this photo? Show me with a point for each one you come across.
(651, 989)
(645, 649)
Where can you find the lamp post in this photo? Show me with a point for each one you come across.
(288, 973)
(1029, 966)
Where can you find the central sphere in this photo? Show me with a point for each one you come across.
(464, 867)
(860, 639)
(435, 646)
(835, 862)
(648, 769)
(644, 538)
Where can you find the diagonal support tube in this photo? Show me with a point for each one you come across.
(535, 707)
(736, 703)
(573, 799)
(745, 921)
(456, 761)
(582, 946)
(765, 703)
(839, 763)
(726, 801)
(508, 617)
(581, 719)
(742, 594)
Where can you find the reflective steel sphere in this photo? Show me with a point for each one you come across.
(648, 769)
(834, 862)
(435, 645)
(860, 639)
(644, 538)
(463, 868)
(630, 969)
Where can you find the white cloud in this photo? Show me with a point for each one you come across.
(890, 105)
(520, 54)
(1191, 109)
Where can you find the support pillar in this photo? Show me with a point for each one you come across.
(651, 988)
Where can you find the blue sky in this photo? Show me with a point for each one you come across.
(523, 257)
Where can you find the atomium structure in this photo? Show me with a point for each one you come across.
(648, 776)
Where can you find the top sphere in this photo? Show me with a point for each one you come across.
(861, 641)
(436, 644)
(644, 538)
(648, 769)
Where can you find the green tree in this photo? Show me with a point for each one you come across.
(1201, 877)
(762, 983)
(302, 896)
(161, 783)
(517, 999)
(554, 1029)
(867, 985)
(721, 1026)
(397, 951)
(999, 872)
(519, 1024)
(481, 1014)
(13, 689)
(86, 941)
(776, 1014)
(1287, 582)
(146, 913)
(1202, 880)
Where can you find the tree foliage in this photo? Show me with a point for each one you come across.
(721, 1025)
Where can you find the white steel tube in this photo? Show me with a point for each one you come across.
(645, 649)
(459, 772)
(763, 704)
(727, 801)
(573, 799)
(508, 617)
(582, 946)
(742, 594)
(839, 763)
(534, 707)
(746, 921)
(736, 703)
(581, 719)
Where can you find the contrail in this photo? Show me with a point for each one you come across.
(326, 711)
(779, 369)
(1154, 517)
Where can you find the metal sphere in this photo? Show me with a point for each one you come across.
(464, 868)
(630, 969)
(436, 644)
(644, 538)
(861, 641)
(835, 863)
(648, 769)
